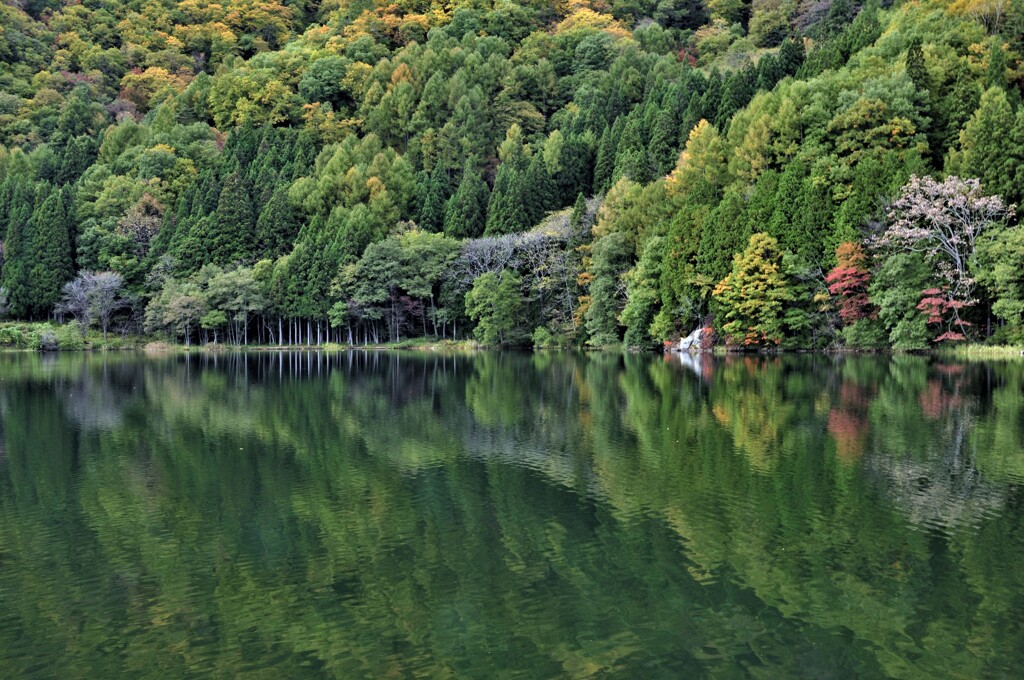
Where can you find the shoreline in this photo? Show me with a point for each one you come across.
(48, 337)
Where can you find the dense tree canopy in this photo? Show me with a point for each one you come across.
(321, 148)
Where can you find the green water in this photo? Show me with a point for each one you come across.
(510, 516)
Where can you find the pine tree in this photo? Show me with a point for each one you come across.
(995, 76)
(79, 154)
(916, 70)
(466, 211)
(277, 226)
(233, 225)
(438, 191)
(538, 190)
(791, 57)
(50, 253)
(18, 248)
(604, 167)
(506, 212)
(959, 106)
(987, 153)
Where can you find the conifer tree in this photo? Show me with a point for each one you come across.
(752, 297)
(579, 213)
(18, 248)
(791, 57)
(959, 106)
(987, 153)
(438, 191)
(233, 225)
(916, 70)
(506, 212)
(630, 153)
(725, 233)
(604, 167)
(466, 211)
(277, 225)
(995, 76)
(663, 149)
(538, 190)
(50, 254)
(79, 154)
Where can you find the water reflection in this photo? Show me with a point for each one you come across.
(533, 515)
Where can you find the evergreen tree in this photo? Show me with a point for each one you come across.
(791, 57)
(79, 154)
(995, 75)
(737, 90)
(725, 233)
(466, 211)
(611, 257)
(277, 225)
(18, 248)
(579, 213)
(232, 238)
(987, 153)
(663, 148)
(604, 167)
(50, 254)
(506, 210)
(538, 190)
(631, 153)
(769, 72)
(916, 70)
(787, 203)
(810, 234)
(959, 106)
(438, 191)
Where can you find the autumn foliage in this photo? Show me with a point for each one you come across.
(848, 281)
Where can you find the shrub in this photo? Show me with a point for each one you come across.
(48, 342)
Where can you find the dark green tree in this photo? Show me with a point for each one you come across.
(438, 191)
(233, 229)
(277, 225)
(466, 211)
(50, 254)
(604, 166)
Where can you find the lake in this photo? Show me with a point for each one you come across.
(506, 515)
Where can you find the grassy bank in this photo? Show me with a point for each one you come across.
(51, 337)
(978, 351)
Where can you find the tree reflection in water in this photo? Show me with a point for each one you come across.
(542, 515)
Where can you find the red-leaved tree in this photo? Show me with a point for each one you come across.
(848, 281)
(943, 311)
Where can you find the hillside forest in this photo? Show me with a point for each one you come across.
(792, 173)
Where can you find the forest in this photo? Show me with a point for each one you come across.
(582, 173)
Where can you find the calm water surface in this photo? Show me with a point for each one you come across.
(510, 516)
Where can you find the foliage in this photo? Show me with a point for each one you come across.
(753, 296)
(304, 142)
(494, 303)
